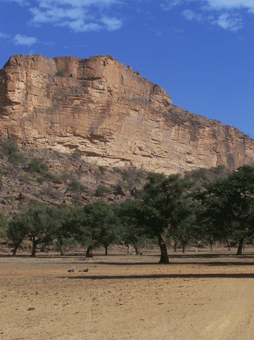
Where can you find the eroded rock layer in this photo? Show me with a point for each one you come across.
(110, 114)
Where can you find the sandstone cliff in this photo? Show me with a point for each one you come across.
(110, 114)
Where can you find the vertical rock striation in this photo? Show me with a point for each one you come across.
(110, 114)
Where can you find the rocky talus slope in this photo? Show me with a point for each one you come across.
(111, 115)
(53, 178)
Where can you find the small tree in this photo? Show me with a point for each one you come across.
(59, 229)
(3, 225)
(17, 230)
(134, 233)
(60, 73)
(163, 201)
(11, 149)
(39, 227)
(102, 223)
(37, 165)
(101, 190)
(228, 206)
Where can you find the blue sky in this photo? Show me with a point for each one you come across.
(200, 51)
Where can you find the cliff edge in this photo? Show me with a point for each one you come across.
(111, 115)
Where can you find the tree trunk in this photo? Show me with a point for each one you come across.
(106, 250)
(34, 249)
(15, 249)
(128, 250)
(211, 246)
(240, 247)
(175, 246)
(184, 247)
(163, 248)
(136, 247)
(61, 248)
(89, 251)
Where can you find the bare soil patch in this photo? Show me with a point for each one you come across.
(199, 295)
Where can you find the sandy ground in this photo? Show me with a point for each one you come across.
(198, 296)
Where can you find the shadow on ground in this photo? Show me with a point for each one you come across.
(163, 276)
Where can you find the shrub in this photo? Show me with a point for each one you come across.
(102, 170)
(125, 177)
(76, 203)
(76, 155)
(219, 170)
(60, 73)
(3, 225)
(101, 190)
(76, 185)
(11, 149)
(40, 180)
(65, 177)
(52, 177)
(37, 165)
(140, 175)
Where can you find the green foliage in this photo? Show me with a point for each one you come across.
(133, 232)
(60, 73)
(39, 227)
(193, 121)
(38, 166)
(60, 229)
(17, 230)
(121, 184)
(131, 177)
(102, 170)
(73, 225)
(217, 210)
(102, 224)
(115, 169)
(76, 155)
(139, 176)
(3, 225)
(65, 177)
(75, 185)
(186, 228)
(101, 190)
(52, 177)
(125, 177)
(165, 200)
(228, 206)
(200, 173)
(40, 180)
(11, 149)
(219, 170)
(36, 225)
(76, 203)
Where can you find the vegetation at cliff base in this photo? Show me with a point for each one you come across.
(169, 209)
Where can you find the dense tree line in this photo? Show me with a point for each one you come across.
(171, 208)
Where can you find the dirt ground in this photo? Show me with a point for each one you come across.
(199, 295)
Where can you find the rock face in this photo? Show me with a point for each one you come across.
(111, 115)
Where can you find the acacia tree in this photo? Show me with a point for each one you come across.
(39, 227)
(133, 232)
(17, 230)
(35, 225)
(60, 229)
(74, 226)
(229, 206)
(163, 201)
(103, 225)
(185, 223)
(3, 225)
